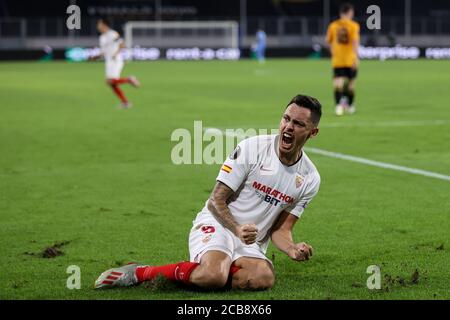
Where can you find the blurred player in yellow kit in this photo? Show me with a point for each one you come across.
(343, 39)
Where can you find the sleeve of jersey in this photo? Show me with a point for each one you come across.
(236, 167)
(301, 204)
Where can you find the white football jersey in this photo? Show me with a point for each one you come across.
(109, 44)
(263, 186)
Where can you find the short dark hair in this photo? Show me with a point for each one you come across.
(345, 7)
(104, 21)
(309, 103)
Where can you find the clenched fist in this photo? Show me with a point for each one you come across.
(300, 251)
(247, 233)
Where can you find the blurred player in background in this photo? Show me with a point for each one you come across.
(343, 39)
(111, 45)
(260, 46)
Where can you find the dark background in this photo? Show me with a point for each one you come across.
(204, 9)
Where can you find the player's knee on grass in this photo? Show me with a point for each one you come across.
(210, 277)
(261, 280)
(213, 271)
(215, 279)
(254, 275)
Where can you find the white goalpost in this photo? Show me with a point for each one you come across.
(182, 34)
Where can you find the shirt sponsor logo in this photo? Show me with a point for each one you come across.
(272, 196)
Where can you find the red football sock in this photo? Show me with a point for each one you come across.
(234, 269)
(119, 93)
(174, 272)
(120, 80)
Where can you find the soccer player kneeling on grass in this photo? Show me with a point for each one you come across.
(261, 191)
(111, 45)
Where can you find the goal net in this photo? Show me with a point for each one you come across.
(177, 34)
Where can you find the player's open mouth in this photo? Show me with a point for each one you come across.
(287, 140)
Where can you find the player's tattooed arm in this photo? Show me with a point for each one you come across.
(281, 235)
(218, 206)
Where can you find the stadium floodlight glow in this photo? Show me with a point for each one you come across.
(182, 34)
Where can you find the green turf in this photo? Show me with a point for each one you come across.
(74, 168)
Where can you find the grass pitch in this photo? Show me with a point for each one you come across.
(99, 182)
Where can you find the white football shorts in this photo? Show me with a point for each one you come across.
(113, 68)
(208, 234)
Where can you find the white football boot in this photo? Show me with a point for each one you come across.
(125, 105)
(351, 109)
(117, 277)
(134, 81)
(339, 110)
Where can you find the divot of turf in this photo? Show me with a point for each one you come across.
(54, 250)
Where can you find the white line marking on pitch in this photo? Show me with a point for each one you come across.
(400, 123)
(378, 164)
(387, 124)
(347, 157)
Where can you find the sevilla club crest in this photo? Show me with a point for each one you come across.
(298, 181)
